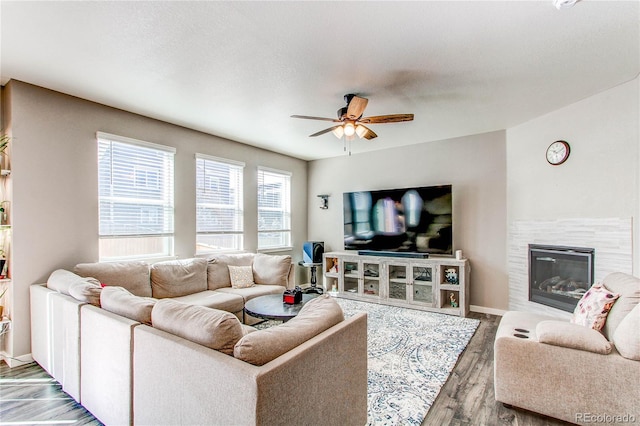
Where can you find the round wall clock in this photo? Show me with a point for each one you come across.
(558, 152)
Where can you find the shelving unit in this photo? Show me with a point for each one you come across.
(439, 284)
(5, 246)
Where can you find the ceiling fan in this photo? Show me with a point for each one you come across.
(351, 121)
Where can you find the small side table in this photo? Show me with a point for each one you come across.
(314, 277)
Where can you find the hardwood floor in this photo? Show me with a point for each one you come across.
(467, 398)
(28, 395)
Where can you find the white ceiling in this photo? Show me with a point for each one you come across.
(240, 69)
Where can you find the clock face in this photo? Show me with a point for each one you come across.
(558, 152)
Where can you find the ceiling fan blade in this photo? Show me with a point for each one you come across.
(370, 133)
(322, 132)
(392, 118)
(307, 117)
(356, 107)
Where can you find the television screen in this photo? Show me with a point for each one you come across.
(399, 220)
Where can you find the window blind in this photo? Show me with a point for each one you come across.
(274, 209)
(135, 186)
(219, 204)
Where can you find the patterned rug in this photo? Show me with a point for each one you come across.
(411, 354)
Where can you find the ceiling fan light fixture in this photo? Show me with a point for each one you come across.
(564, 4)
(349, 129)
(338, 132)
(361, 130)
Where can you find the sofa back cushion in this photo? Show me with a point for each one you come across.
(271, 269)
(262, 346)
(208, 327)
(626, 338)
(121, 302)
(180, 277)
(62, 280)
(628, 287)
(134, 276)
(218, 268)
(88, 291)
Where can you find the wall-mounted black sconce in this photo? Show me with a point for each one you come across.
(325, 201)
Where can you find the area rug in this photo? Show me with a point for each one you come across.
(411, 354)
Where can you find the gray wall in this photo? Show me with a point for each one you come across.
(55, 203)
(474, 165)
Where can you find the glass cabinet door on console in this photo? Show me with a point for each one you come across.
(370, 279)
(398, 281)
(422, 280)
(351, 277)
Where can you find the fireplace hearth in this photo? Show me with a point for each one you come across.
(559, 275)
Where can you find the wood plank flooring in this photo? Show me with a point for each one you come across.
(29, 396)
(467, 398)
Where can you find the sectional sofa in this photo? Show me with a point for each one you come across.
(166, 344)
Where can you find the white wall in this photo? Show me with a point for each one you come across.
(601, 178)
(55, 203)
(474, 165)
(598, 187)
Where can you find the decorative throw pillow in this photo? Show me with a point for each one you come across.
(218, 271)
(241, 276)
(594, 306)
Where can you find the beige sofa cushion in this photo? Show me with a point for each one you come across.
(628, 287)
(180, 277)
(62, 280)
(574, 336)
(214, 299)
(271, 269)
(212, 328)
(251, 292)
(262, 346)
(627, 335)
(218, 268)
(121, 302)
(134, 276)
(88, 291)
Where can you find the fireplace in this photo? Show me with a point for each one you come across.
(558, 275)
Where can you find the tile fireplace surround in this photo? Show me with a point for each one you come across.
(610, 237)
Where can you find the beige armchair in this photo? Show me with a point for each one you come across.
(569, 371)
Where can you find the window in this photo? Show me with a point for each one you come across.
(219, 205)
(135, 187)
(274, 209)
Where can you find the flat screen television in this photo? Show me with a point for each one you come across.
(408, 220)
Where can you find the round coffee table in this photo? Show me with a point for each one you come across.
(272, 307)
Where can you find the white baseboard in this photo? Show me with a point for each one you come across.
(485, 310)
(16, 361)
